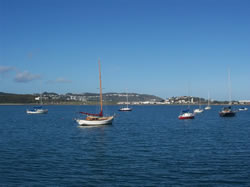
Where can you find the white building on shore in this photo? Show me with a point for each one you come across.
(243, 102)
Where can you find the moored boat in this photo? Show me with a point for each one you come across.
(96, 119)
(186, 115)
(198, 110)
(37, 110)
(208, 107)
(126, 109)
(243, 109)
(227, 112)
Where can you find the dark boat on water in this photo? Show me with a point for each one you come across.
(227, 112)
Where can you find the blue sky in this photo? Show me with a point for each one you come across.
(156, 47)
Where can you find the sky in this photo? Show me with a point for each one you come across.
(161, 47)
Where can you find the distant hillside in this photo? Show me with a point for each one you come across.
(93, 98)
(16, 98)
(87, 98)
(132, 97)
(115, 97)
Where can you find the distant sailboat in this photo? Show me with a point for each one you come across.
(37, 109)
(208, 107)
(186, 114)
(96, 119)
(243, 109)
(126, 109)
(227, 111)
(199, 110)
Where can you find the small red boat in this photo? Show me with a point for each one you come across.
(186, 115)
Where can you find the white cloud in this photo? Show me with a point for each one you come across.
(59, 80)
(62, 80)
(25, 76)
(5, 69)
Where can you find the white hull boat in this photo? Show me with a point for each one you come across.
(37, 110)
(207, 107)
(186, 115)
(243, 109)
(198, 110)
(42, 111)
(125, 109)
(96, 119)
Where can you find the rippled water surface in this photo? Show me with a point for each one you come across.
(146, 147)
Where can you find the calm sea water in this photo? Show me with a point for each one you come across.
(146, 147)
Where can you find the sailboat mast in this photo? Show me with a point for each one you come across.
(199, 103)
(208, 99)
(229, 87)
(127, 98)
(189, 98)
(100, 84)
(41, 97)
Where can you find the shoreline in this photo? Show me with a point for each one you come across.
(64, 104)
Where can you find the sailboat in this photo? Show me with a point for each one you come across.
(199, 110)
(96, 119)
(186, 114)
(208, 107)
(243, 109)
(227, 111)
(37, 109)
(126, 109)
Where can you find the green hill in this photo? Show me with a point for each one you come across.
(6, 98)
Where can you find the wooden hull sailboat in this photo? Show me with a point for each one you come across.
(92, 121)
(96, 119)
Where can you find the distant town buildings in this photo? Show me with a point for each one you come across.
(134, 99)
(244, 102)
